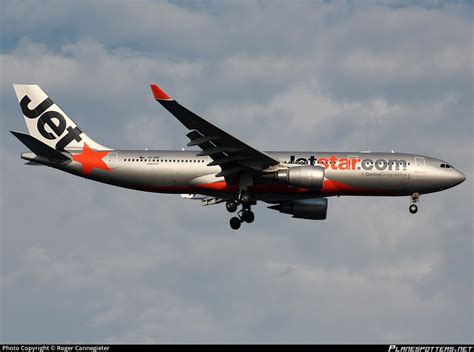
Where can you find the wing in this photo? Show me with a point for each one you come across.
(232, 155)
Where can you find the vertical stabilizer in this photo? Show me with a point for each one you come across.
(48, 123)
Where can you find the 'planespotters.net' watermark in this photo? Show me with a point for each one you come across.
(396, 348)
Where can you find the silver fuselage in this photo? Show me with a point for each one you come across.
(346, 173)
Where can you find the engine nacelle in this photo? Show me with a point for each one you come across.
(314, 209)
(310, 176)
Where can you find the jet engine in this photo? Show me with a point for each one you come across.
(314, 209)
(310, 176)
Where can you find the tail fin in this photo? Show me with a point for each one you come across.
(48, 123)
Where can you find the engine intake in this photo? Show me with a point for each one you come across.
(314, 209)
(311, 177)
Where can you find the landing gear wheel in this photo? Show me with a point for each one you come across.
(248, 216)
(231, 206)
(235, 223)
(413, 208)
(245, 198)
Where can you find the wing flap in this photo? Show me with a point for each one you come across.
(202, 140)
(204, 144)
(231, 171)
(206, 200)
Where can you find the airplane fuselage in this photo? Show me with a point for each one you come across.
(346, 173)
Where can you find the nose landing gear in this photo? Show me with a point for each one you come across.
(413, 208)
(415, 197)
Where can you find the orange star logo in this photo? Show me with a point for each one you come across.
(91, 160)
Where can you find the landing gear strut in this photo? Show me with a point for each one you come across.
(415, 197)
(245, 214)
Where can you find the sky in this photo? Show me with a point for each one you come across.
(84, 262)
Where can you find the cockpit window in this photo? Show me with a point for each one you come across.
(446, 166)
(443, 166)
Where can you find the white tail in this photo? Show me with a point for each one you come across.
(48, 123)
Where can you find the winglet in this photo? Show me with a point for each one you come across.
(158, 93)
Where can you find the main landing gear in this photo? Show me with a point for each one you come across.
(231, 206)
(415, 197)
(244, 215)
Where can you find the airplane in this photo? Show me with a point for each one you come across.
(226, 170)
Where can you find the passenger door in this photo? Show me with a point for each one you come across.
(112, 160)
(420, 165)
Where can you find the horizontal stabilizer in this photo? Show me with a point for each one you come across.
(39, 148)
(32, 163)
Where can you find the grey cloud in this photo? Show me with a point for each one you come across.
(85, 262)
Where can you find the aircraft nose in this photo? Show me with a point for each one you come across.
(459, 178)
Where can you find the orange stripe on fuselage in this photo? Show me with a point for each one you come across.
(330, 188)
(218, 186)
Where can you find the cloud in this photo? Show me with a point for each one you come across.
(140, 267)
